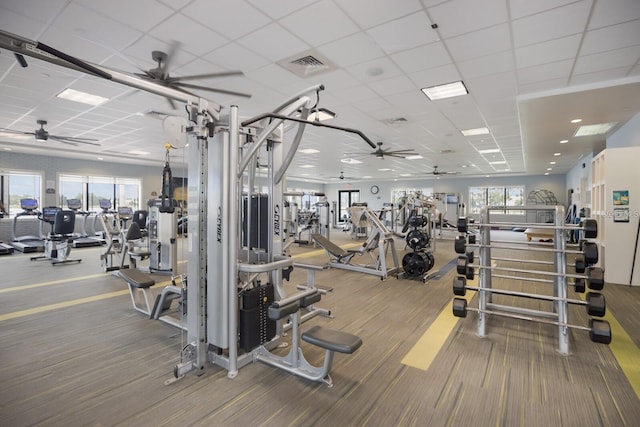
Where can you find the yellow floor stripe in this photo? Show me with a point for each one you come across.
(426, 349)
(624, 350)
(64, 304)
(53, 282)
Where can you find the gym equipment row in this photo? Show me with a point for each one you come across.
(585, 274)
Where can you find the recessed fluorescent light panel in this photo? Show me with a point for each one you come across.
(307, 166)
(564, 141)
(139, 153)
(590, 130)
(384, 170)
(309, 151)
(350, 161)
(448, 90)
(576, 120)
(83, 97)
(489, 151)
(476, 131)
(416, 157)
(498, 162)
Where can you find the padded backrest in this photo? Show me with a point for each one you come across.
(133, 232)
(140, 217)
(65, 222)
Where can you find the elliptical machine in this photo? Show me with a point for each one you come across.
(58, 242)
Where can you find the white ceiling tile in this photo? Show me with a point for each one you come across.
(369, 13)
(140, 14)
(479, 43)
(493, 87)
(599, 76)
(194, 37)
(614, 37)
(626, 57)
(612, 12)
(232, 56)
(436, 76)
(276, 9)
(404, 33)
(554, 70)
(378, 69)
(337, 80)
(555, 23)
(26, 8)
(24, 26)
(319, 23)
(541, 86)
(520, 8)
(393, 85)
(273, 42)
(80, 21)
(175, 4)
(351, 50)
(422, 57)
(462, 16)
(230, 22)
(550, 51)
(490, 64)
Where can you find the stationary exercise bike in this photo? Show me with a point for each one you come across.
(58, 242)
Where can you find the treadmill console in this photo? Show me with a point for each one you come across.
(49, 214)
(105, 204)
(28, 205)
(125, 212)
(74, 204)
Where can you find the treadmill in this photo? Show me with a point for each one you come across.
(83, 240)
(27, 243)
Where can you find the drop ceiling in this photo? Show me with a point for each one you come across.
(530, 68)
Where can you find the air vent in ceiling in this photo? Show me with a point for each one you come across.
(308, 63)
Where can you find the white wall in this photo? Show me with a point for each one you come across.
(554, 183)
(622, 173)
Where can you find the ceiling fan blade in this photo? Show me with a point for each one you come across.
(62, 140)
(174, 45)
(74, 141)
(206, 76)
(400, 151)
(18, 132)
(210, 89)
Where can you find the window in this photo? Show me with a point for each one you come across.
(345, 199)
(496, 196)
(91, 189)
(18, 185)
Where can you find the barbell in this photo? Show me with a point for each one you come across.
(587, 255)
(595, 302)
(588, 226)
(599, 330)
(594, 275)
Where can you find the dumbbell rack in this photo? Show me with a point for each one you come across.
(599, 329)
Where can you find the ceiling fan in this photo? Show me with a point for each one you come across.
(160, 75)
(381, 153)
(42, 135)
(436, 172)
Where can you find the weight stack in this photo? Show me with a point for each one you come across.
(255, 326)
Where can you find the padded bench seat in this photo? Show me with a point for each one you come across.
(330, 339)
(136, 278)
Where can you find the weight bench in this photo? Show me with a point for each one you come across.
(139, 284)
(340, 255)
(329, 339)
(539, 233)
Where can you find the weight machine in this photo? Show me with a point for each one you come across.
(58, 242)
(379, 242)
(220, 271)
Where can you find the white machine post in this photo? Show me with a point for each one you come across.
(163, 231)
